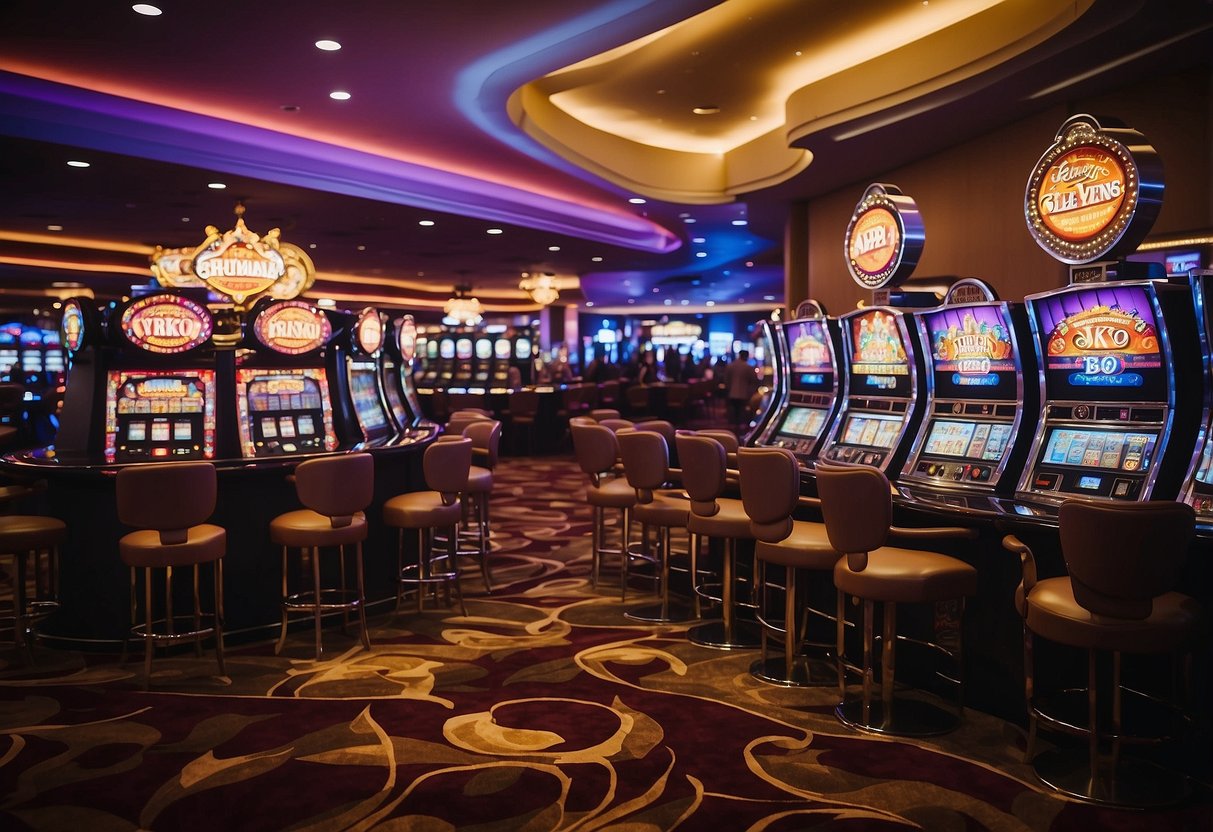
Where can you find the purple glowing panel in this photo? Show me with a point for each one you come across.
(972, 353)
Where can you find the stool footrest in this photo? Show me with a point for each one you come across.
(330, 599)
(163, 635)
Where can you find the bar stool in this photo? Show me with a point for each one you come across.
(616, 425)
(462, 418)
(33, 541)
(486, 444)
(169, 503)
(770, 492)
(857, 506)
(600, 413)
(524, 410)
(703, 475)
(1122, 559)
(597, 452)
(646, 466)
(335, 491)
(446, 466)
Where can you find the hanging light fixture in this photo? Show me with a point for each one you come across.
(462, 310)
(543, 288)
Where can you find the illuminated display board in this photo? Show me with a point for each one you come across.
(965, 439)
(153, 415)
(463, 349)
(880, 365)
(364, 391)
(166, 324)
(292, 327)
(972, 353)
(810, 356)
(446, 348)
(871, 430)
(284, 411)
(1114, 450)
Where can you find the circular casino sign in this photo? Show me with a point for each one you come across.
(166, 324)
(884, 239)
(368, 331)
(292, 327)
(74, 326)
(1095, 192)
(406, 338)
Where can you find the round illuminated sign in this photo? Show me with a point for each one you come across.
(166, 324)
(1090, 196)
(72, 326)
(368, 331)
(884, 238)
(406, 338)
(292, 327)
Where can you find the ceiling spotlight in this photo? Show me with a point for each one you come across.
(146, 9)
(553, 248)
(425, 223)
(72, 163)
(741, 222)
(589, 303)
(216, 186)
(631, 300)
(710, 303)
(54, 228)
(185, 219)
(638, 200)
(595, 259)
(667, 301)
(701, 254)
(699, 239)
(689, 220)
(339, 95)
(706, 110)
(328, 45)
(493, 231)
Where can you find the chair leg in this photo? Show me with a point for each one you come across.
(1029, 690)
(1092, 716)
(148, 643)
(133, 617)
(197, 612)
(315, 552)
(482, 510)
(345, 613)
(422, 565)
(595, 544)
(366, 636)
(399, 568)
(218, 573)
(840, 647)
(282, 634)
(888, 658)
(790, 639)
(869, 609)
(454, 567)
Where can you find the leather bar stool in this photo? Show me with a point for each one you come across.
(524, 412)
(33, 542)
(486, 444)
(857, 506)
(712, 516)
(447, 464)
(1123, 560)
(646, 466)
(597, 452)
(335, 491)
(168, 503)
(770, 492)
(462, 418)
(600, 413)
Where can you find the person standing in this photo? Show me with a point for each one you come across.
(739, 383)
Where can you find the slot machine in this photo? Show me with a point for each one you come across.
(810, 348)
(768, 357)
(502, 348)
(524, 358)
(484, 361)
(10, 354)
(1197, 490)
(398, 384)
(283, 400)
(880, 404)
(462, 375)
(427, 355)
(979, 415)
(1114, 425)
(366, 394)
(446, 361)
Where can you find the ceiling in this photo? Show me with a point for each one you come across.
(540, 119)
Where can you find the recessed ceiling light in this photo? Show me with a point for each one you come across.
(146, 9)
(328, 45)
(689, 220)
(706, 110)
(339, 95)
(741, 222)
(631, 300)
(638, 200)
(289, 108)
(684, 301)
(74, 163)
(362, 248)
(749, 264)
(768, 297)
(667, 301)
(54, 228)
(426, 223)
(493, 231)
(747, 286)
(595, 259)
(701, 254)
(311, 245)
(185, 219)
(656, 289)
(553, 248)
(710, 303)
(216, 186)
(699, 239)
(589, 303)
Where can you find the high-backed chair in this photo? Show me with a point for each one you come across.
(608, 394)
(646, 465)
(729, 440)
(462, 418)
(600, 413)
(1123, 561)
(33, 541)
(335, 491)
(713, 516)
(857, 507)
(168, 504)
(597, 451)
(447, 465)
(639, 401)
(486, 442)
(667, 430)
(770, 492)
(615, 425)
(524, 411)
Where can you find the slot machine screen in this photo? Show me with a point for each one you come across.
(484, 349)
(364, 390)
(1113, 450)
(972, 353)
(501, 349)
(880, 365)
(153, 415)
(394, 398)
(284, 411)
(800, 429)
(446, 348)
(463, 349)
(810, 358)
(964, 439)
(870, 430)
(31, 351)
(522, 349)
(1101, 344)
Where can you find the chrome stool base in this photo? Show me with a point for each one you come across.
(1133, 782)
(807, 672)
(744, 635)
(902, 718)
(664, 613)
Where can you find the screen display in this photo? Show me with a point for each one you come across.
(1101, 343)
(484, 349)
(364, 391)
(463, 349)
(522, 349)
(810, 356)
(159, 414)
(394, 398)
(871, 430)
(1114, 450)
(501, 348)
(880, 364)
(967, 440)
(803, 421)
(972, 354)
(273, 404)
(431, 349)
(446, 348)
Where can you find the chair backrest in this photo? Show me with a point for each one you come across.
(703, 471)
(595, 448)
(770, 490)
(598, 414)
(446, 466)
(638, 396)
(462, 418)
(486, 438)
(524, 403)
(1121, 556)
(337, 486)
(645, 461)
(168, 497)
(581, 420)
(676, 394)
(857, 507)
(658, 426)
(724, 437)
(608, 393)
(616, 424)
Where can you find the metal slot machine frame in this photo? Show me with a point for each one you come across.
(366, 346)
(1197, 490)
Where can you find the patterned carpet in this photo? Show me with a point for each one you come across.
(543, 709)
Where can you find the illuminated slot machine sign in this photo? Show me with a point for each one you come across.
(880, 389)
(446, 360)
(975, 396)
(431, 361)
(463, 362)
(362, 372)
(484, 361)
(286, 410)
(1108, 393)
(166, 413)
(395, 378)
(501, 362)
(812, 381)
(522, 358)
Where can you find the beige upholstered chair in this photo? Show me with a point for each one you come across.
(598, 414)
(770, 492)
(857, 506)
(597, 451)
(447, 465)
(168, 504)
(1123, 560)
(335, 492)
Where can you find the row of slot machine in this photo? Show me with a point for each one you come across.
(990, 407)
(33, 358)
(152, 379)
(474, 359)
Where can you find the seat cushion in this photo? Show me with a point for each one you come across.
(421, 510)
(908, 576)
(1053, 613)
(807, 547)
(22, 532)
(666, 509)
(204, 543)
(611, 494)
(309, 528)
(480, 480)
(730, 521)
